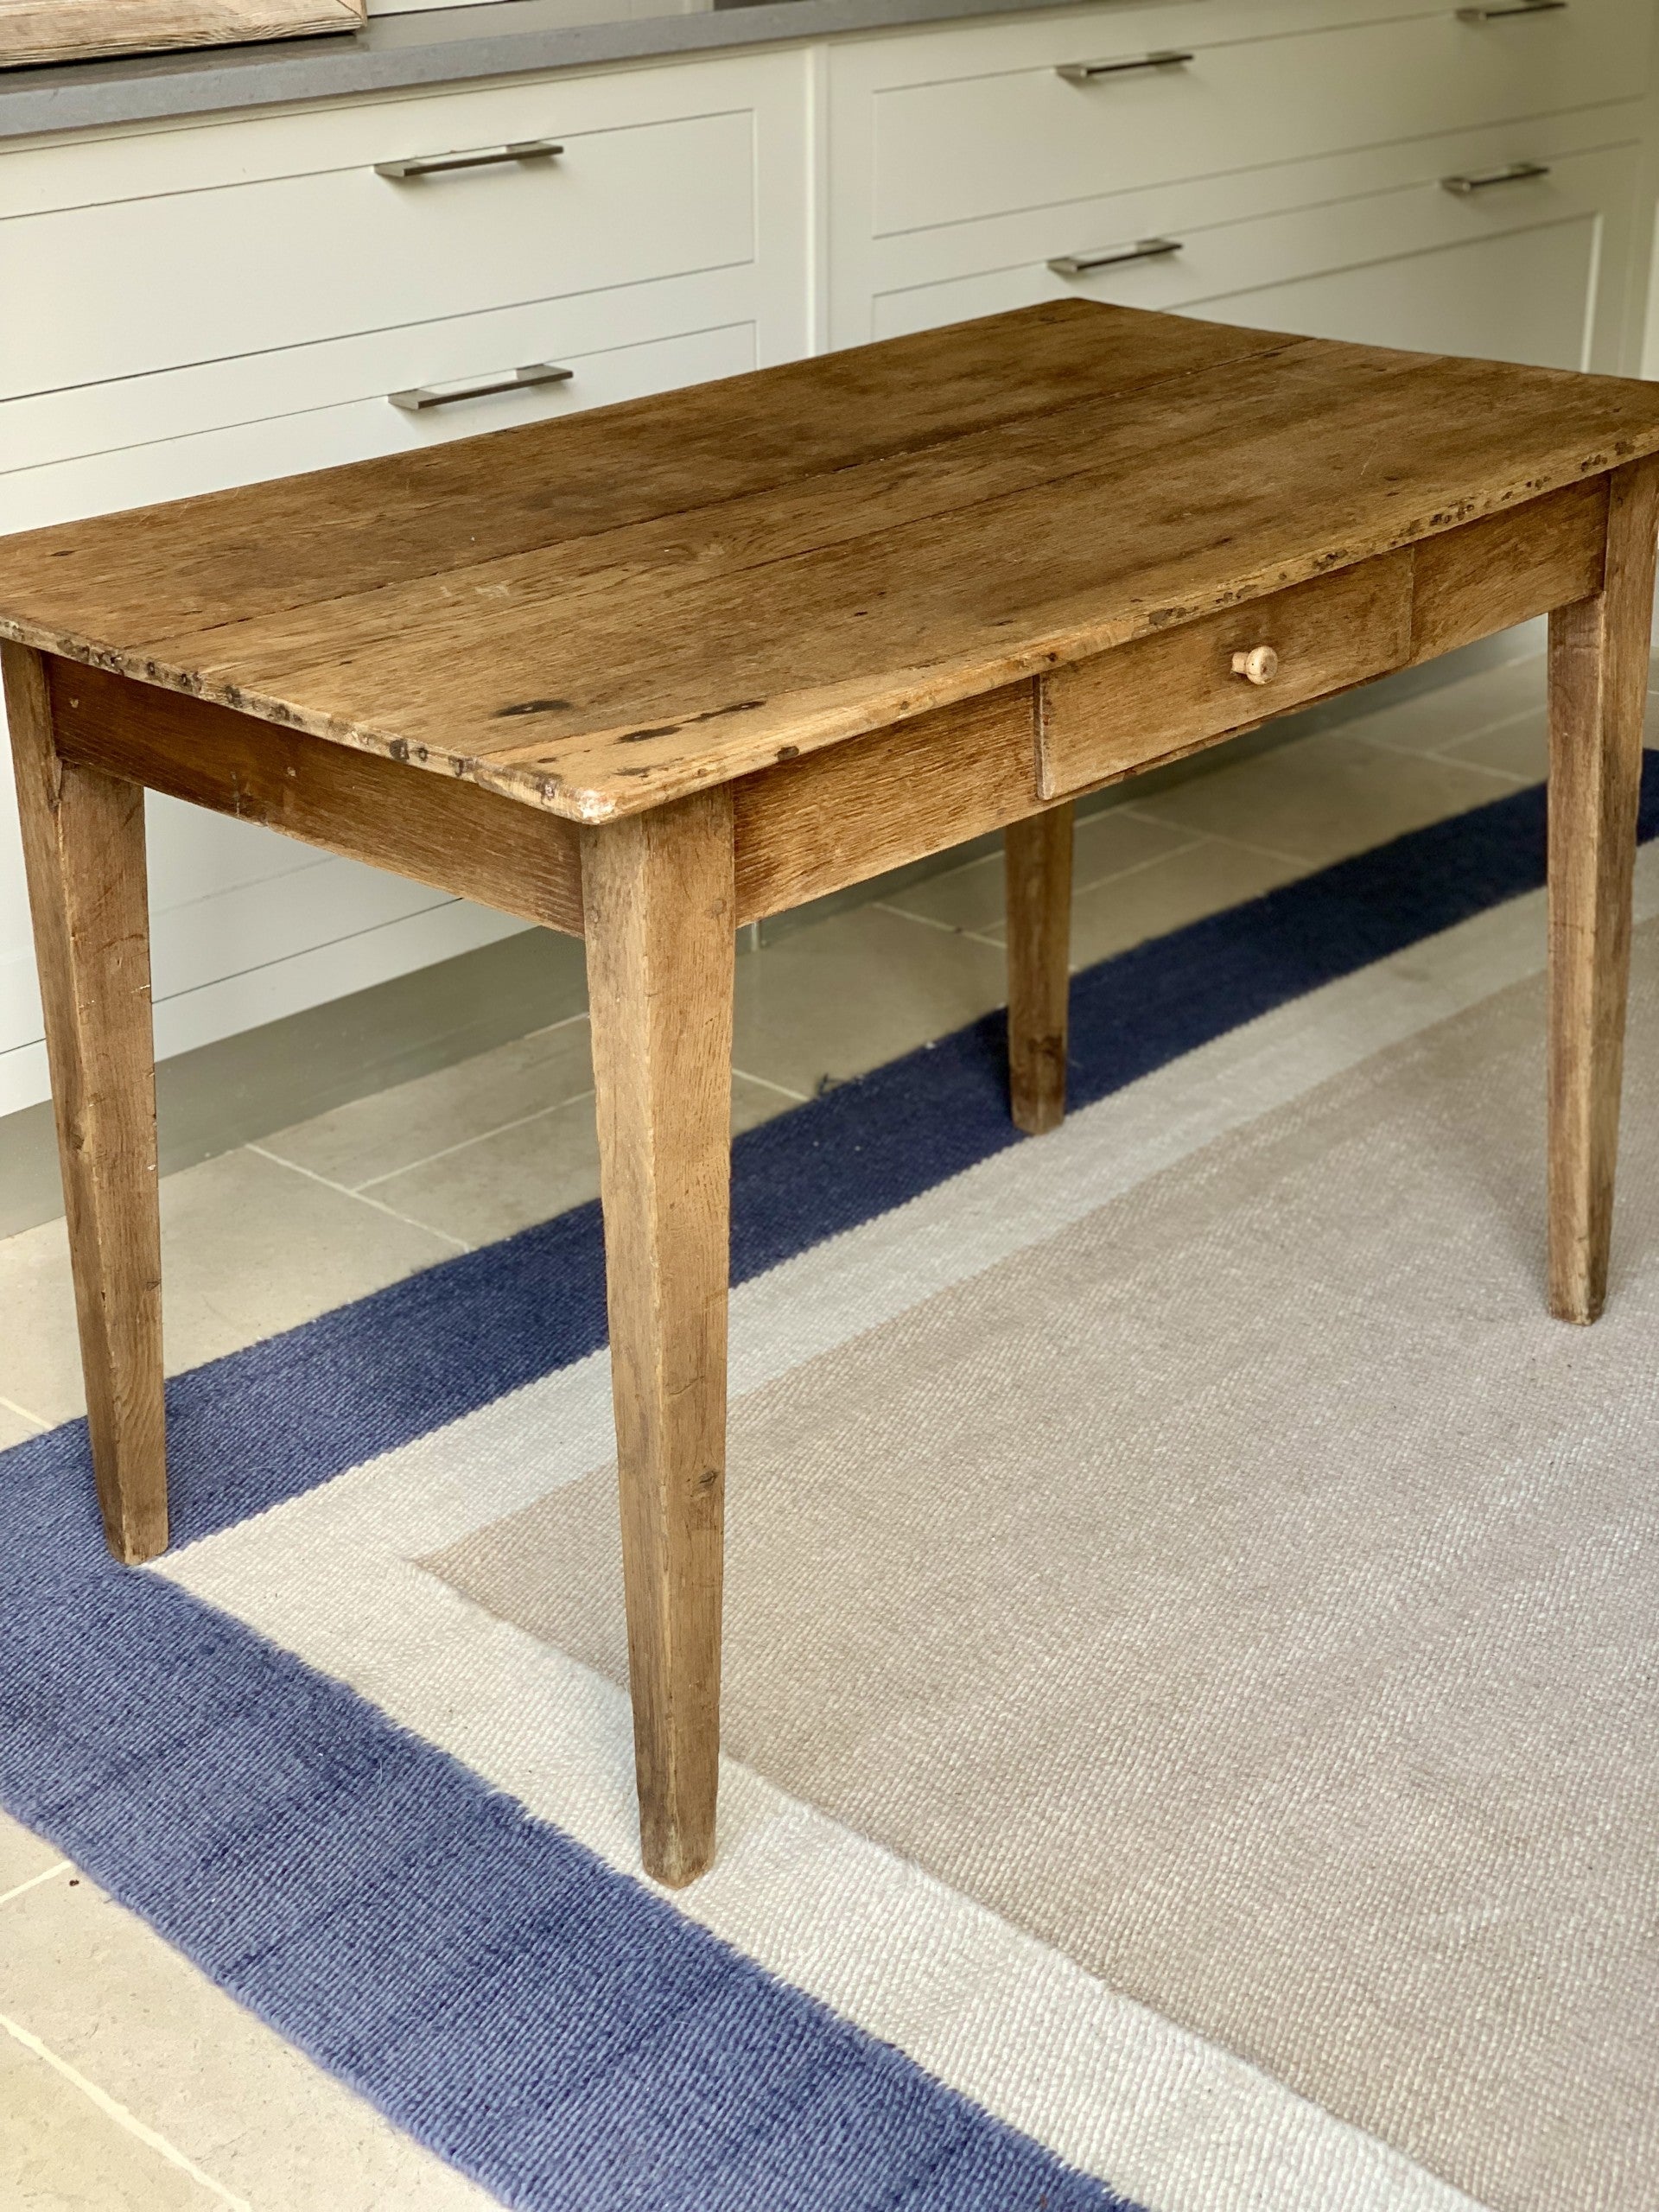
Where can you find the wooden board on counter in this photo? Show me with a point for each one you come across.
(32, 31)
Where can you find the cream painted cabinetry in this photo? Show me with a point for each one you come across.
(1393, 173)
(248, 293)
(197, 305)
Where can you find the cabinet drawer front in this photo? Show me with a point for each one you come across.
(970, 147)
(1167, 694)
(197, 276)
(602, 328)
(1519, 273)
(361, 427)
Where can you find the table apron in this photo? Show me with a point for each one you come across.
(454, 836)
(1176, 691)
(832, 818)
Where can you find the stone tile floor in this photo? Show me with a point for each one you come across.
(126, 2081)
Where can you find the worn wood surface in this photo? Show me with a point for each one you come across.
(1037, 858)
(75, 30)
(597, 615)
(657, 889)
(1493, 573)
(469, 841)
(1597, 693)
(84, 851)
(809, 826)
(1164, 694)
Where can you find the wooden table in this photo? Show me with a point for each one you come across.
(651, 672)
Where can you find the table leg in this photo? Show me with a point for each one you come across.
(658, 911)
(84, 853)
(1037, 856)
(1597, 693)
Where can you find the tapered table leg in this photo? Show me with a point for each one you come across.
(1037, 857)
(658, 912)
(1598, 692)
(84, 852)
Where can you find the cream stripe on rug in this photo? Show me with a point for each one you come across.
(938, 1960)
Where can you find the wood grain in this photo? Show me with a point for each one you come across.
(1162, 695)
(84, 852)
(660, 935)
(1038, 864)
(806, 564)
(809, 826)
(1597, 693)
(75, 30)
(1508, 569)
(455, 836)
(306, 540)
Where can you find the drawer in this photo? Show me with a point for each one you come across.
(357, 423)
(602, 327)
(196, 277)
(969, 146)
(1167, 694)
(1523, 270)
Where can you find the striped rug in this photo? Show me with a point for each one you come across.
(1191, 1709)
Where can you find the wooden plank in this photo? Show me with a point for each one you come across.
(814, 825)
(1598, 694)
(1164, 695)
(1508, 569)
(660, 943)
(1038, 859)
(550, 486)
(453, 835)
(75, 30)
(84, 852)
(647, 637)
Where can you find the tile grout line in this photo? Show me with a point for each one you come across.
(22, 1412)
(766, 1083)
(480, 1136)
(1508, 775)
(1298, 860)
(1188, 841)
(354, 1190)
(50, 1874)
(375, 1205)
(925, 921)
(124, 2119)
(1464, 737)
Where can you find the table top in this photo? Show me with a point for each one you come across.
(597, 614)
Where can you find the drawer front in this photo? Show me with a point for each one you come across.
(1166, 695)
(592, 334)
(359, 424)
(971, 146)
(200, 275)
(1530, 270)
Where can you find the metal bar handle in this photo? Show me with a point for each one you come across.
(416, 400)
(1517, 7)
(1084, 73)
(1078, 264)
(482, 158)
(1516, 173)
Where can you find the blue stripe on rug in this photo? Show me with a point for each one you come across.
(553, 2029)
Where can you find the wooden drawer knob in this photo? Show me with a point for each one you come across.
(1259, 665)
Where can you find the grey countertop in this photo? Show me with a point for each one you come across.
(435, 46)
